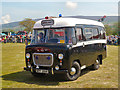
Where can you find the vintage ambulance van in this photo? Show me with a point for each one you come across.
(66, 46)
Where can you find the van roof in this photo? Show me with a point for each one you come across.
(67, 22)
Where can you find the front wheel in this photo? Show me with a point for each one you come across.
(74, 73)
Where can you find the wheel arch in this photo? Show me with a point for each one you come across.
(100, 57)
(77, 60)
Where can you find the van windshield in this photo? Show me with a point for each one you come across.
(56, 35)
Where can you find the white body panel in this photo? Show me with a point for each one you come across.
(67, 22)
(83, 43)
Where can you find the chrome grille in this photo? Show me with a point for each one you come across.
(43, 59)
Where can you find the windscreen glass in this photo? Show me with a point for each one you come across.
(56, 35)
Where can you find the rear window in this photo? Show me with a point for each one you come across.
(95, 33)
(102, 33)
(79, 34)
(88, 33)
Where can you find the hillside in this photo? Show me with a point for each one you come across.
(15, 25)
(108, 19)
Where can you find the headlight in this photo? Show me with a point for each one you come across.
(57, 67)
(27, 55)
(60, 56)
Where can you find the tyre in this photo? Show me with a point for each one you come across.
(74, 73)
(96, 65)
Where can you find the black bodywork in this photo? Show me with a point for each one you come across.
(55, 49)
(84, 55)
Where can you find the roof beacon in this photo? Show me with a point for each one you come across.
(60, 15)
(46, 17)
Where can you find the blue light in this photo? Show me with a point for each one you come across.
(36, 57)
(60, 15)
(48, 57)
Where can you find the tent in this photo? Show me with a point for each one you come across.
(3, 34)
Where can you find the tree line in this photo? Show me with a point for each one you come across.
(111, 29)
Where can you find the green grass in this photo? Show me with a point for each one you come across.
(13, 75)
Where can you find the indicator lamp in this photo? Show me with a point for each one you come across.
(60, 61)
(60, 15)
(28, 60)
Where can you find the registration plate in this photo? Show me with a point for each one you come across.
(41, 71)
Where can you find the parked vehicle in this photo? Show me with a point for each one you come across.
(78, 44)
(21, 33)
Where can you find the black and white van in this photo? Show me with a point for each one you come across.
(65, 45)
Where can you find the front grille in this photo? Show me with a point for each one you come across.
(43, 59)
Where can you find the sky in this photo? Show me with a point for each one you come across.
(16, 11)
(60, 0)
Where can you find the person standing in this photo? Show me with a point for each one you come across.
(0, 39)
(7, 39)
(4, 39)
(26, 40)
(118, 40)
(13, 39)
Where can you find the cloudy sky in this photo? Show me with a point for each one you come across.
(17, 11)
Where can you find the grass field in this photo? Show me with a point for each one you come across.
(13, 75)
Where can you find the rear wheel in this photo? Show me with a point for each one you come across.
(96, 65)
(74, 73)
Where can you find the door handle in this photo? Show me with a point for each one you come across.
(83, 45)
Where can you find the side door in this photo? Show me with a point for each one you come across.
(80, 48)
(88, 44)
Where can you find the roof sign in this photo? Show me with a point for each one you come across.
(47, 22)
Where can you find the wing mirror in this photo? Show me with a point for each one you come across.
(74, 40)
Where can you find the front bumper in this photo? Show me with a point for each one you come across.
(27, 69)
(51, 71)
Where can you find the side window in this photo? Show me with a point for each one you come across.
(88, 33)
(95, 33)
(102, 33)
(79, 34)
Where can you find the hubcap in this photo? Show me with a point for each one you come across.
(73, 71)
(97, 62)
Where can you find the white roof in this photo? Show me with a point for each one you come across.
(66, 22)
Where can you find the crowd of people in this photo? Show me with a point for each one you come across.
(15, 38)
(113, 40)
